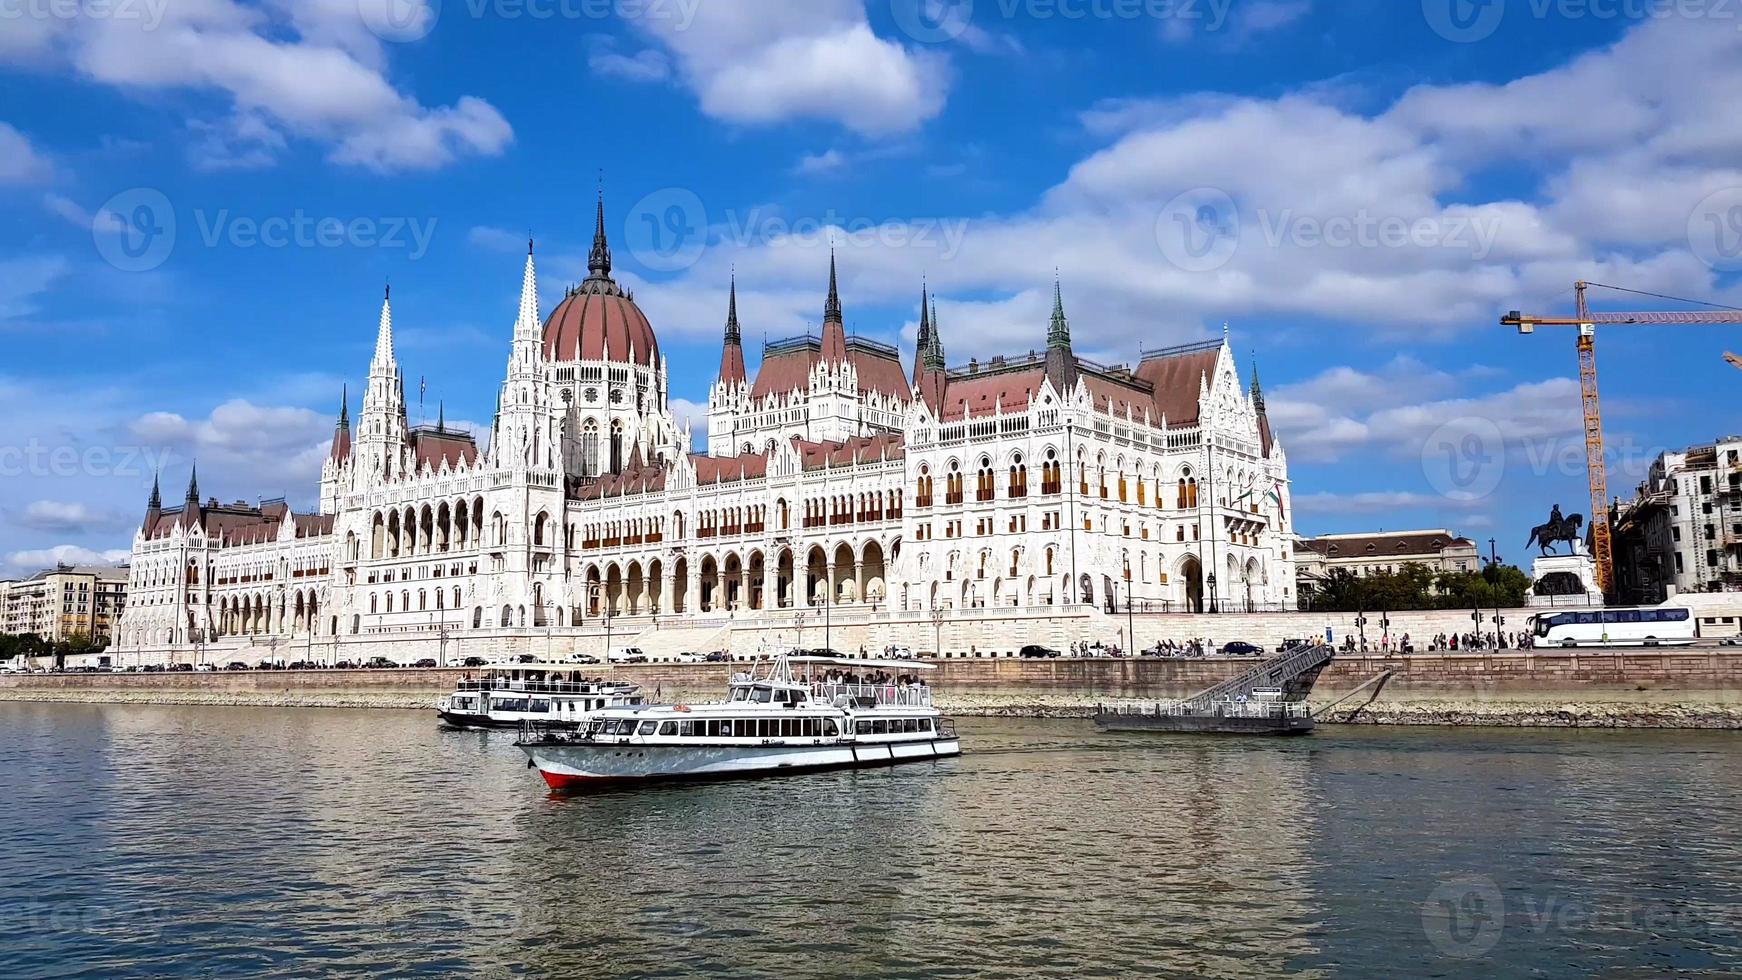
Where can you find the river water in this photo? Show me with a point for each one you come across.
(192, 841)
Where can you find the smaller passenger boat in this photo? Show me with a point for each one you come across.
(1227, 716)
(511, 695)
(834, 713)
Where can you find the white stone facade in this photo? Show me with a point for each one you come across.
(1020, 483)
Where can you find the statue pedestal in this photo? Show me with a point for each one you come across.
(1564, 580)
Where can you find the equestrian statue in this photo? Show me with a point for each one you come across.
(1558, 529)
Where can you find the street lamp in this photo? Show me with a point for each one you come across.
(798, 624)
(937, 628)
(1130, 621)
(1211, 579)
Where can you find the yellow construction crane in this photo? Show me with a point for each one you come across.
(1602, 542)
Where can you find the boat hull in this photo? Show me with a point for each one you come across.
(1204, 724)
(573, 766)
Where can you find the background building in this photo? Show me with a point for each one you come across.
(1682, 531)
(65, 601)
(1382, 552)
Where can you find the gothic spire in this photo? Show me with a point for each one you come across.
(1257, 390)
(922, 346)
(156, 500)
(832, 307)
(834, 331)
(341, 450)
(732, 351)
(599, 260)
(934, 355)
(193, 496)
(345, 406)
(527, 325)
(1059, 334)
(384, 332)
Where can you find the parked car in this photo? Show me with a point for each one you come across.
(1035, 651)
(344, 665)
(629, 655)
(1240, 648)
(425, 662)
(206, 668)
(181, 668)
(380, 663)
(718, 657)
(474, 662)
(235, 665)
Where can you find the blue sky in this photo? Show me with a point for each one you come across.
(1364, 187)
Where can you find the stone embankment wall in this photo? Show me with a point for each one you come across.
(1699, 688)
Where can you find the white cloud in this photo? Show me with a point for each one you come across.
(306, 70)
(694, 415)
(244, 446)
(760, 63)
(20, 163)
(57, 515)
(816, 164)
(496, 239)
(23, 280)
(646, 65)
(30, 561)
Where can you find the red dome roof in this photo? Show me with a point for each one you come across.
(595, 317)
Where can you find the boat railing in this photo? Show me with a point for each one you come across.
(542, 687)
(1214, 709)
(909, 696)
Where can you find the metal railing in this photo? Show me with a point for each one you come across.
(912, 696)
(543, 687)
(1214, 709)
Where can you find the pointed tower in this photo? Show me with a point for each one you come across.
(153, 507)
(599, 259)
(526, 421)
(381, 432)
(342, 429)
(732, 351)
(1061, 361)
(1257, 390)
(923, 344)
(191, 515)
(834, 327)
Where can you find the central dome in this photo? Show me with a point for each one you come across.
(597, 321)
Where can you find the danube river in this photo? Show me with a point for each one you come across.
(191, 841)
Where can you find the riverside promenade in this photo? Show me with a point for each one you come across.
(1686, 688)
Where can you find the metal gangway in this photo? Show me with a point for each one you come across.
(1276, 672)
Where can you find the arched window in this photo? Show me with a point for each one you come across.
(616, 447)
(590, 448)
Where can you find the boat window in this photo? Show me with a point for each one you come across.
(668, 728)
(829, 729)
(763, 695)
(864, 726)
(649, 727)
(541, 706)
(925, 724)
(740, 693)
(726, 729)
(880, 727)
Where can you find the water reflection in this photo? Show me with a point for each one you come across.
(214, 840)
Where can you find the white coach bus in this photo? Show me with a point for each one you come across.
(1656, 626)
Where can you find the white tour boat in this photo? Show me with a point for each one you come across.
(510, 695)
(832, 714)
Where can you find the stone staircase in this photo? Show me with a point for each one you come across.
(666, 640)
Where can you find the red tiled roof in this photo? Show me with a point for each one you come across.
(729, 469)
(850, 452)
(1115, 397)
(1403, 543)
(785, 371)
(596, 315)
(978, 394)
(880, 373)
(1176, 380)
(436, 447)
